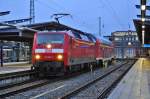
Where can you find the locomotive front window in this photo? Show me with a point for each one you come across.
(50, 38)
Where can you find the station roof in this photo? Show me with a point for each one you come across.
(14, 34)
(138, 26)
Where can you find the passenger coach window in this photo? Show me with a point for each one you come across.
(90, 38)
(84, 37)
(94, 39)
(77, 35)
(50, 38)
(70, 33)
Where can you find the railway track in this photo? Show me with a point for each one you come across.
(60, 88)
(15, 78)
(36, 84)
(26, 86)
(16, 74)
(13, 89)
(105, 91)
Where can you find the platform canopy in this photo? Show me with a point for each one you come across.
(14, 34)
(138, 26)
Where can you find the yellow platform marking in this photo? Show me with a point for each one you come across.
(146, 64)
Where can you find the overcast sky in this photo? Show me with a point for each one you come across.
(116, 15)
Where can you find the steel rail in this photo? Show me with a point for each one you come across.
(15, 78)
(16, 74)
(17, 83)
(103, 94)
(28, 86)
(17, 89)
(84, 86)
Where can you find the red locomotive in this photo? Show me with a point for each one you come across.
(65, 51)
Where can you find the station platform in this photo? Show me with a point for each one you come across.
(14, 67)
(135, 84)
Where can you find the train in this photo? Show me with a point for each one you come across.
(56, 52)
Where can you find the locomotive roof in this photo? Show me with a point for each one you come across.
(105, 41)
(62, 31)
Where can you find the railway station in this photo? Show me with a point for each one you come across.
(62, 59)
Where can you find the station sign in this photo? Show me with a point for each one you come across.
(146, 45)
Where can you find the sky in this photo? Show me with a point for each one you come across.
(116, 15)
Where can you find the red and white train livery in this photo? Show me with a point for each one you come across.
(61, 51)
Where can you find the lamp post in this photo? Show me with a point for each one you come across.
(1, 53)
(130, 49)
(122, 51)
(143, 15)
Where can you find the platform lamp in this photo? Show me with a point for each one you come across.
(143, 26)
(143, 20)
(143, 7)
(143, 30)
(143, 35)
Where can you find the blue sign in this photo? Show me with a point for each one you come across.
(146, 45)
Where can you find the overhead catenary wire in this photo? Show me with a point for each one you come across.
(129, 12)
(57, 7)
(46, 6)
(108, 6)
(76, 19)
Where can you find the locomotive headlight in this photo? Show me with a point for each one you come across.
(59, 57)
(48, 46)
(37, 56)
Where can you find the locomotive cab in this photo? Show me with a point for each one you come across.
(48, 52)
